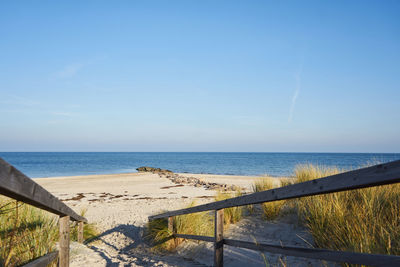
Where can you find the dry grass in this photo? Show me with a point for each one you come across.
(200, 223)
(231, 215)
(27, 233)
(271, 210)
(364, 220)
(307, 172)
(90, 230)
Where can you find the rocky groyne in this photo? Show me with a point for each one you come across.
(185, 180)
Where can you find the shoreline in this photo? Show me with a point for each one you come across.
(69, 183)
(132, 174)
(181, 173)
(199, 175)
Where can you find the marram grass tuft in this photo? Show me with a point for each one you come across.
(27, 233)
(363, 220)
(231, 215)
(271, 210)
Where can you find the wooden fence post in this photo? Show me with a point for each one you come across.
(171, 228)
(63, 260)
(80, 232)
(171, 224)
(219, 238)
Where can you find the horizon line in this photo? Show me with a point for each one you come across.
(259, 152)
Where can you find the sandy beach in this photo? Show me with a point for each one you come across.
(119, 205)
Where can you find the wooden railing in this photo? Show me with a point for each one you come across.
(380, 174)
(16, 185)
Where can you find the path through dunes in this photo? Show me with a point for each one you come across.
(120, 205)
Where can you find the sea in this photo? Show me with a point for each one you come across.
(52, 164)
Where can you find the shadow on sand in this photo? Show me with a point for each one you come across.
(137, 252)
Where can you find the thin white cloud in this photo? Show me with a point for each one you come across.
(296, 93)
(72, 69)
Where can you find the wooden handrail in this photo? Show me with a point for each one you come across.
(313, 253)
(44, 260)
(380, 174)
(17, 185)
(196, 237)
(320, 254)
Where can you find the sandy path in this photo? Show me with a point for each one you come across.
(120, 204)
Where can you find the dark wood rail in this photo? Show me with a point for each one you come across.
(16, 185)
(381, 174)
(44, 260)
(320, 254)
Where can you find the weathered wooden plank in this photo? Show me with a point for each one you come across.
(171, 224)
(321, 254)
(219, 238)
(64, 242)
(43, 261)
(196, 237)
(380, 174)
(80, 232)
(171, 228)
(16, 185)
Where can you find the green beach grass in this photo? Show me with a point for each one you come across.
(364, 220)
(157, 232)
(200, 223)
(271, 210)
(27, 233)
(231, 215)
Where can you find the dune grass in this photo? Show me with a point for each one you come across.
(90, 230)
(307, 172)
(27, 233)
(271, 210)
(231, 215)
(364, 220)
(157, 232)
(200, 223)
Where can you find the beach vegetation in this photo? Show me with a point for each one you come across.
(27, 233)
(200, 223)
(231, 215)
(90, 231)
(157, 232)
(363, 220)
(271, 210)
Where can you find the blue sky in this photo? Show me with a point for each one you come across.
(293, 76)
